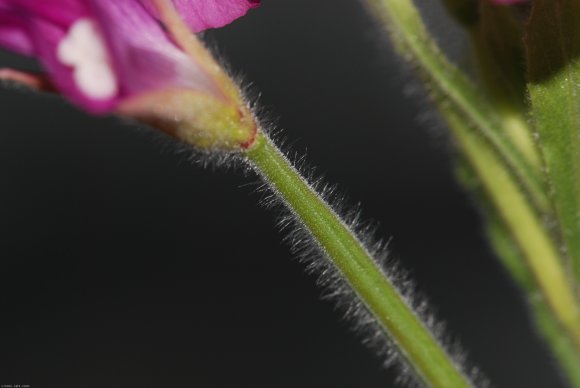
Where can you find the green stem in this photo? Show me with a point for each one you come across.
(552, 296)
(511, 180)
(562, 346)
(513, 259)
(540, 252)
(565, 351)
(416, 344)
(511, 255)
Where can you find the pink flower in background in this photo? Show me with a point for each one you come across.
(101, 53)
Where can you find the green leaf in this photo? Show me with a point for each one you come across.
(553, 49)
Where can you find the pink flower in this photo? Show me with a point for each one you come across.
(98, 53)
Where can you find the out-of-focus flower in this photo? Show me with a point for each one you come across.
(134, 57)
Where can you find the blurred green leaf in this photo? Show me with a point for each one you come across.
(553, 48)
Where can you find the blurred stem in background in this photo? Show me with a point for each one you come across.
(498, 152)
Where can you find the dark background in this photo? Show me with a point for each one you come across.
(123, 264)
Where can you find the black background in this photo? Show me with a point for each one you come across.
(123, 264)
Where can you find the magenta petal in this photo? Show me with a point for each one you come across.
(137, 56)
(60, 12)
(13, 33)
(203, 14)
(17, 16)
(147, 60)
(48, 36)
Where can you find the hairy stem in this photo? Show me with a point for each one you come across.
(414, 342)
